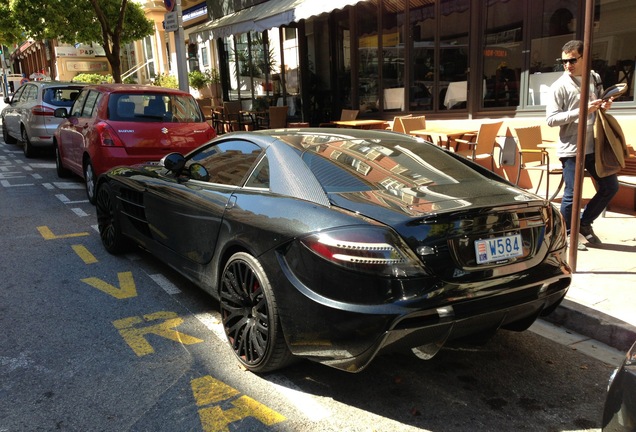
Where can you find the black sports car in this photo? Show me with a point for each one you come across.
(338, 244)
(619, 413)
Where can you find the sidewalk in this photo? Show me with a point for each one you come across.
(601, 302)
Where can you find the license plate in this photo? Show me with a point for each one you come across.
(498, 248)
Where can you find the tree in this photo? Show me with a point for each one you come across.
(110, 23)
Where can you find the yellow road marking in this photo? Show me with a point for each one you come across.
(208, 390)
(127, 288)
(48, 234)
(84, 254)
(135, 336)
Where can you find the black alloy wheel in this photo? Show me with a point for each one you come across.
(107, 222)
(250, 315)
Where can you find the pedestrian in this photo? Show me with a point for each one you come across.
(562, 110)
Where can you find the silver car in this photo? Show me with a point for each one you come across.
(28, 116)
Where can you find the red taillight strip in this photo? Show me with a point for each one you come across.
(41, 110)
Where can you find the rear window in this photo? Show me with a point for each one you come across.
(153, 107)
(61, 96)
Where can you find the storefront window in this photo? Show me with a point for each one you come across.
(368, 55)
(551, 26)
(454, 18)
(393, 56)
(502, 55)
(423, 65)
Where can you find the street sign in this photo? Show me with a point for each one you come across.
(169, 4)
(171, 21)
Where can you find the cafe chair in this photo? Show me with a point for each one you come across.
(409, 124)
(532, 157)
(275, 118)
(396, 125)
(483, 145)
(205, 105)
(234, 118)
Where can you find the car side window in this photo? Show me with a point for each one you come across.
(260, 176)
(228, 162)
(30, 94)
(90, 104)
(18, 94)
(76, 111)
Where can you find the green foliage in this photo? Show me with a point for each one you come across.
(199, 80)
(92, 78)
(165, 80)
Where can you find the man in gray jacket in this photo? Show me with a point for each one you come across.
(562, 109)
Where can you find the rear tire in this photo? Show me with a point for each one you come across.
(5, 134)
(250, 315)
(29, 151)
(59, 165)
(90, 181)
(113, 240)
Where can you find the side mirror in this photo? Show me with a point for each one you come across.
(199, 172)
(173, 162)
(60, 113)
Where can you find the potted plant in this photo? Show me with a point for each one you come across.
(199, 81)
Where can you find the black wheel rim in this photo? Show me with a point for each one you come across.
(106, 217)
(245, 313)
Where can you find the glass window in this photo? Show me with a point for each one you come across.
(454, 19)
(502, 56)
(613, 49)
(61, 96)
(91, 103)
(153, 107)
(368, 55)
(393, 56)
(551, 25)
(260, 176)
(76, 111)
(423, 57)
(228, 162)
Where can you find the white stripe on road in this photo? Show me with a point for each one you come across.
(165, 284)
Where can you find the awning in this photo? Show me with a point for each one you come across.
(273, 13)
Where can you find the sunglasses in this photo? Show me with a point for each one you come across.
(566, 61)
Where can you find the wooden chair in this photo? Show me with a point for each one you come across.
(532, 157)
(484, 143)
(234, 118)
(412, 123)
(206, 108)
(276, 118)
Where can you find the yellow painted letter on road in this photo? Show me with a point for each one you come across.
(127, 288)
(48, 234)
(135, 337)
(208, 390)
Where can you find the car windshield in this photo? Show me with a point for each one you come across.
(153, 107)
(60, 96)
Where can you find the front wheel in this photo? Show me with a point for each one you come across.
(89, 179)
(59, 165)
(108, 224)
(250, 315)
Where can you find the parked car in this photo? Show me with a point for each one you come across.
(338, 244)
(619, 413)
(28, 117)
(115, 124)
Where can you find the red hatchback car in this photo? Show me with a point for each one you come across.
(124, 124)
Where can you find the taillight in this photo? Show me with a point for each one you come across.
(107, 136)
(366, 249)
(41, 110)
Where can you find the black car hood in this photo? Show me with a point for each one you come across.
(393, 206)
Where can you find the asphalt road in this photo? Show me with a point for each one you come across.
(94, 342)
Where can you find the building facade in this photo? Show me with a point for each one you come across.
(443, 58)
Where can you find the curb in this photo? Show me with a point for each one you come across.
(593, 324)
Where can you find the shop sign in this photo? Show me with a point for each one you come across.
(84, 66)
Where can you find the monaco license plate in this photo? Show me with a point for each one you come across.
(498, 248)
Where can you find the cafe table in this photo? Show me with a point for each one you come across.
(443, 136)
(361, 124)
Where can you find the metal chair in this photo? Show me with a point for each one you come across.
(276, 118)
